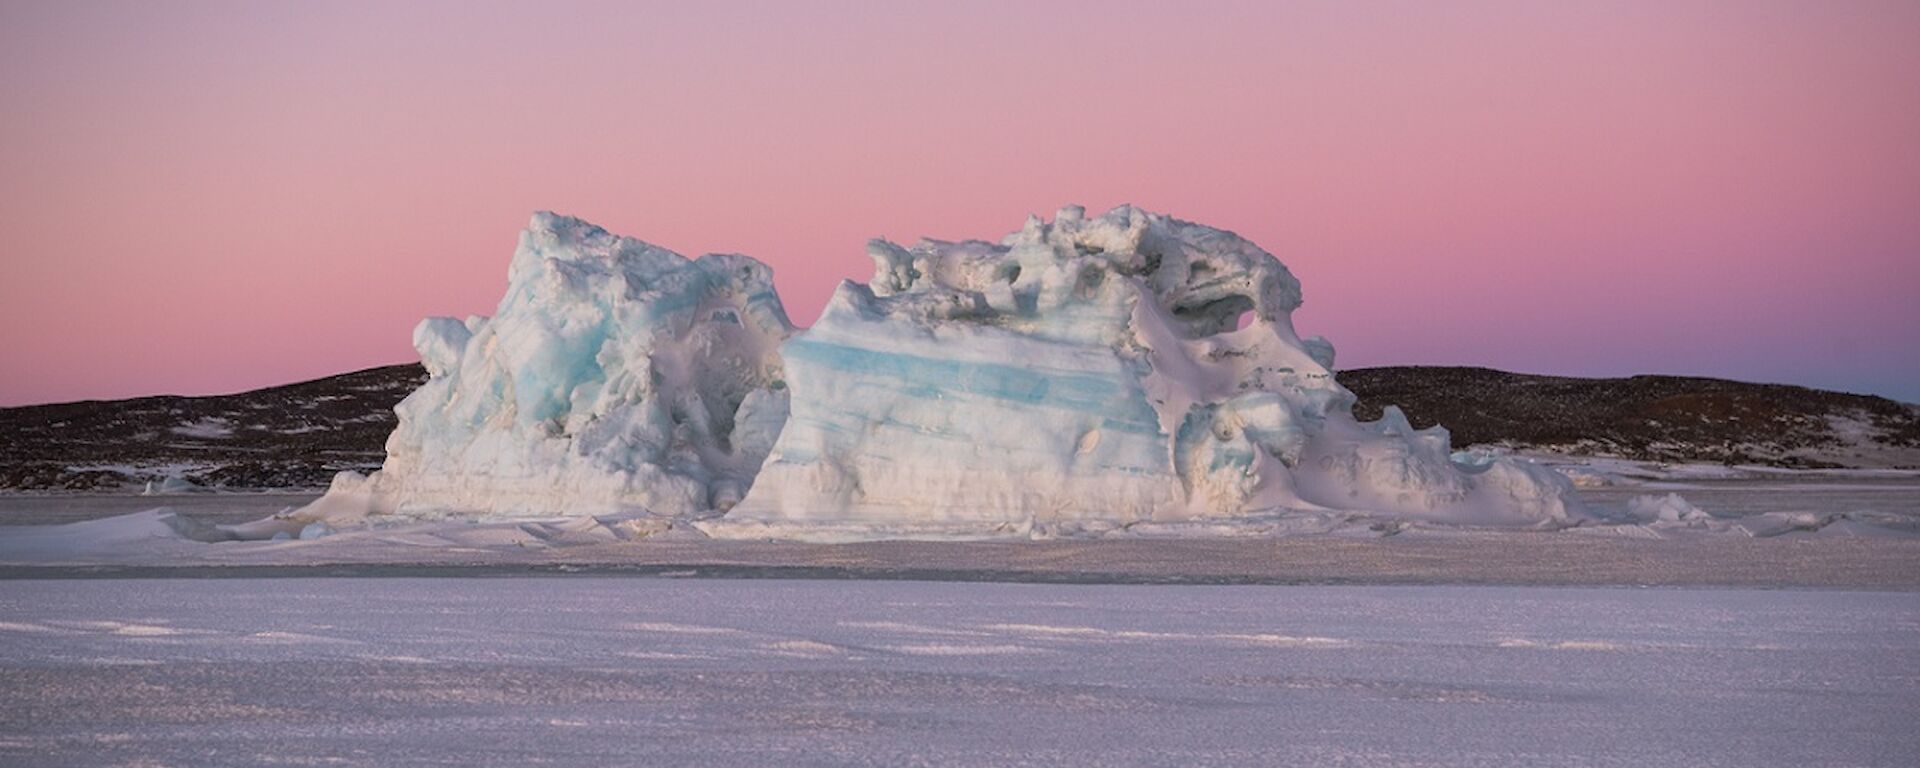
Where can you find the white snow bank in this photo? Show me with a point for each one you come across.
(158, 529)
(1609, 471)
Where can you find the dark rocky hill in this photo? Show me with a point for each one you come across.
(293, 436)
(299, 435)
(1657, 418)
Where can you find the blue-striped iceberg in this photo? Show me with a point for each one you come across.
(1086, 375)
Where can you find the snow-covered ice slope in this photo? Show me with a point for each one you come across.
(1086, 374)
(616, 377)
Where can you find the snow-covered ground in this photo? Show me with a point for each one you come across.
(36, 509)
(121, 533)
(662, 671)
(907, 656)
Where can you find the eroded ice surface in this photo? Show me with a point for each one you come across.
(616, 377)
(1087, 374)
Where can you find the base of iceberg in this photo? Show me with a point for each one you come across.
(1751, 533)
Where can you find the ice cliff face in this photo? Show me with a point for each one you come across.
(616, 377)
(1087, 374)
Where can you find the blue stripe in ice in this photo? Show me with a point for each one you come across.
(1120, 403)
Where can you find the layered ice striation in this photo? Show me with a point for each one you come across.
(616, 377)
(1086, 374)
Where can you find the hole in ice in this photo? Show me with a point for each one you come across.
(1090, 281)
(1013, 274)
(1206, 318)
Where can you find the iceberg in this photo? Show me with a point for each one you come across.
(616, 377)
(1086, 374)
(1082, 376)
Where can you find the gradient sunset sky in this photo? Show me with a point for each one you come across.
(209, 197)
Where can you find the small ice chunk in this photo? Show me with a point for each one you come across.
(169, 484)
(1671, 508)
(314, 530)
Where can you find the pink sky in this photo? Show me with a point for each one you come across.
(209, 197)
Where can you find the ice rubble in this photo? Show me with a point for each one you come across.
(616, 377)
(1088, 374)
(1671, 508)
(1658, 516)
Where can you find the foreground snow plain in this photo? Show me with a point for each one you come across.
(587, 670)
(61, 535)
(1475, 647)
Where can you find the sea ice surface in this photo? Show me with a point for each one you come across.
(632, 671)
